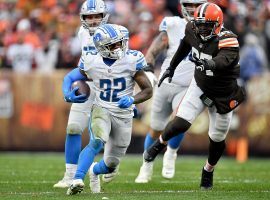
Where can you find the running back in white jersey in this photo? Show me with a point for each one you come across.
(175, 28)
(115, 81)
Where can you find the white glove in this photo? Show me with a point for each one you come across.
(152, 78)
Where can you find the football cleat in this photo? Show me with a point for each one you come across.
(106, 178)
(145, 174)
(76, 187)
(65, 182)
(151, 153)
(94, 180)
(206, 180)
(168, 169)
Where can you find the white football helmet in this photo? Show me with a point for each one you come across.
(111, 40)
(93, 7)
(188, 7)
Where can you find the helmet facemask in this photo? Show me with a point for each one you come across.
(188, 8)
(205, 29)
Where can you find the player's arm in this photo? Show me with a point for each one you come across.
(159, 44)
(145, 86)
(69, 95)
(145, 93)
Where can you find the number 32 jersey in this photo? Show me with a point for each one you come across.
(113, 82)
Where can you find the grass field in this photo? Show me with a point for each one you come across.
(31, 176)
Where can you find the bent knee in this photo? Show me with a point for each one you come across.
(74, 129)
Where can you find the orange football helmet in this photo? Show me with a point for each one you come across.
(208, 20)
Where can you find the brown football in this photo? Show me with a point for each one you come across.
(83, 88)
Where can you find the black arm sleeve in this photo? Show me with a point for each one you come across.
(182, 51)
(226, 57)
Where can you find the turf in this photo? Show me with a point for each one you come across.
(32, 175)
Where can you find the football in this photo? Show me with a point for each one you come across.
(83, 88)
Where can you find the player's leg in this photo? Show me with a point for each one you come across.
(218, 129)
(99, 133)
(160, 114)
(115, 148)
(169, 158)
(77, 122)
(189, 108)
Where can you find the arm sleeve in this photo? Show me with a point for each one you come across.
(70, 77)
(226, 57)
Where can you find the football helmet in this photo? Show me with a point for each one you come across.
(111, 41)
(208, 20)
(93, 8)
(188, 7)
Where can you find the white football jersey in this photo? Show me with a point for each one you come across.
(86, 40)
(175, 28)
(115, 81)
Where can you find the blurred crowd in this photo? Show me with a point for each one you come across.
(42, 35)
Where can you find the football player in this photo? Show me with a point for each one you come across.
(114, 70)
(167, 97)
(92, 14)
(215, 52)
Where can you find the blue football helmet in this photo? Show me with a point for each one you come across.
(93, 7)
(111, 41)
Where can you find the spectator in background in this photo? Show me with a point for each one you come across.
(20, 55)
(253, 60)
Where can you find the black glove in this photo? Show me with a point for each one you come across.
(168, 73)
(203, 64)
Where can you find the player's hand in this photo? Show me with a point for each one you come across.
(203, 64)
(71, 96)
(125, 102)
(167, 74)
(152, 78)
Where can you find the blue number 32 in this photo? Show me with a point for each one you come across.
(110, 94)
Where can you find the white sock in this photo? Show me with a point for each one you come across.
(209, 168)
(71, 169)
(171, 151)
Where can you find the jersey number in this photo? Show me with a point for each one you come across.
(110, 94)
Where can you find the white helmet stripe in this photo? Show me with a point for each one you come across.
(202, 10)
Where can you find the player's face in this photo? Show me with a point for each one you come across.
(115, 46)
(93, 20)
(205, 29)
(190, 8)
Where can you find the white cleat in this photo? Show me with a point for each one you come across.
(65, 182)
(107, 178)
(76, 187)
(145, 174)
(168, 169)
(94, 180)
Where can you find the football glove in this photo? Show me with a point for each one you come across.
(125, 102)
(203, 64)
(71, 97)
(167, 74)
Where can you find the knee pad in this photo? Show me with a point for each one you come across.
(112, 162)
(96, 144)
(217, 137)
(74, 129)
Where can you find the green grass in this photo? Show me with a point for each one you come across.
(31, 176)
